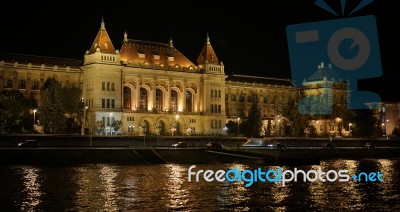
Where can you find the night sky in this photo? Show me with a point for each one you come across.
(248, 37)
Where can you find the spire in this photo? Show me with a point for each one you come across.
(103, 25)
(207, 55)
(171, 43)
(125, 37)
(102, 41)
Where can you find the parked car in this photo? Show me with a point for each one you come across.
(214, 145)
(280, 146)
(28, 143)
(370, 145)
(328, 145)
(180, 145)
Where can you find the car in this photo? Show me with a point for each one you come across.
(28, 143)
(328, 145)
(370, 145)
(180, 145)
(280, 146)
(214, 145)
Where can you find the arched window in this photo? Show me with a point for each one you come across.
(189, 101)
(174, 101)
(127, 98)
(159, 99)
(143, 99)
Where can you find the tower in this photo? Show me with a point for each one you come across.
(102, 77)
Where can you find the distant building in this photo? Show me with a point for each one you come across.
(320, 93)
(150, 87)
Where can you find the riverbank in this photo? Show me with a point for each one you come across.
(193, 155)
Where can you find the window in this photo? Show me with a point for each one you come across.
(8, 83)
(266, 99)
(103, 103)
(212, 108)
(112, 103)
(170, 59)
(141, 55)
(108, 121)
(189, 101)
(233, 98)
(212, 93)
(35, 85)
(219, 93)
(219, 108)
(159, 99)
(249, 98)
(241, 98)
(130, 118)
(112, 86)
(127, 98)
(108, 86)
(143, 99)
(103, 86)
(108, 103)
(22, 84)
(174, 101)
(156, 57)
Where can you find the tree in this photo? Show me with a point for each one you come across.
(72, 101)
(15, 111)
(293, 122)
(254, 120)
(231, 128)
(51, 110)
(116, 125)
(365, 123)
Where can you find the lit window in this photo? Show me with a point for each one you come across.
(170, 59)
(156, 57)
(141, 55)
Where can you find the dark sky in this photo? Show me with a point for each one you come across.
(248, 37)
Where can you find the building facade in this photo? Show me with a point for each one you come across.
(149, 87)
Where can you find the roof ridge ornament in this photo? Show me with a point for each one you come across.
(103, 25)
(208, 39)
(171, 42)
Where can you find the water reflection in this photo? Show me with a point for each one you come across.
(178, 195)
(32, 188)
(104, 187)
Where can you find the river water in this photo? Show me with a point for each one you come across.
(108, 187)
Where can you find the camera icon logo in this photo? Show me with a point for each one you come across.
(350, 44)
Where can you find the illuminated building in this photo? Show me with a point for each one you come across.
(150, 87)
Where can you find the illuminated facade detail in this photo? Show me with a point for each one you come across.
(150, 87)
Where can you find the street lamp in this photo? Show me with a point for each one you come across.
(238, 121)
(34, 119)
(84, 121)
(350, 126)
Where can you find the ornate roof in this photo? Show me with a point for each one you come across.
(137, 51)
(262, 80)
(39, 60)
(102, 41)
(207, 54)
(324, 72)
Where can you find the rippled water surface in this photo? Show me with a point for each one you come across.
(105, 187)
